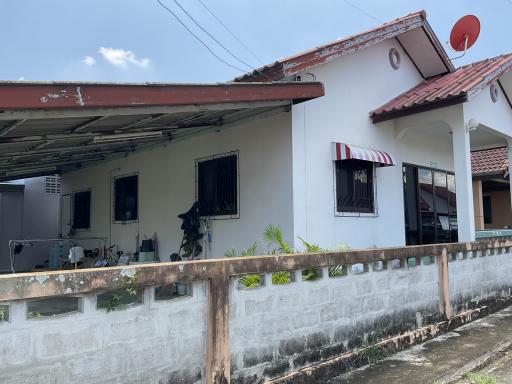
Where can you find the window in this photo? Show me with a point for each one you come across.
(354, 186)
(82, 210)
(126, 198)
(430, 205)
(52, 184)
(217, 181)
(487, 210)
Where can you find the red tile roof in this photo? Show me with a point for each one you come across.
(451, 88)
(302, 61)
(489, 161)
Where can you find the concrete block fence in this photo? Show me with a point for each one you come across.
(222, 333)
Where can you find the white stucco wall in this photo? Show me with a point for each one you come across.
(355, 85)
(167, 187)
(28, 214)
(496, 116)
(41, 220)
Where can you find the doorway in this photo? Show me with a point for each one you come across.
(429, 205)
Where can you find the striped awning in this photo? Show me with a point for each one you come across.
(341, 151)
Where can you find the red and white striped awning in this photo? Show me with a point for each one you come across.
(341, 151)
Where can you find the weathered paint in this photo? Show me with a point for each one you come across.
(444, 286)
(348, 361)
(319, 55)
(22, 96)
(217, 336)
(27, 285)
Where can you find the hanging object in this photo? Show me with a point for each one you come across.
(464, 34)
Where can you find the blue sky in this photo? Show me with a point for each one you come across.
(136, 40)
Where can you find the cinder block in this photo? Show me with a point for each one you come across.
(253, 307)
(64, 342)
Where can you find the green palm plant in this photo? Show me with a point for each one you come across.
(247, 281)
(273, 236)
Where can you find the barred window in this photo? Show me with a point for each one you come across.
(354, 186)
(52, 184)
(217, 186)
(126, 206)
(82, 210)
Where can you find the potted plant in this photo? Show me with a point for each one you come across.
(191, 242)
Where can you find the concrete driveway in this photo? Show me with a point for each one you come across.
(481, 347)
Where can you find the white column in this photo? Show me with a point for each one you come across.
(300, 227)
(463, 182)
(509, 145)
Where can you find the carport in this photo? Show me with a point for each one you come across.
(50, 127)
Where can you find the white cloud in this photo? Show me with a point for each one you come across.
(121, 58)
(21, 78)
(89, 61)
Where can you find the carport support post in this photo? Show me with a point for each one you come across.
(217, 361)
(463, 181)
(509, 152)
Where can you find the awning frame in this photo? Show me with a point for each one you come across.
(343, 151)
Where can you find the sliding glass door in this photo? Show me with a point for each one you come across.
(430, 206)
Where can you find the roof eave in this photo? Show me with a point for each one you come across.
(418, 108)
(438, 46)
(41, 96)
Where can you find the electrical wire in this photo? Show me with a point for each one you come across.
(249, 50)
(198, 38)
(366, 13)
(212, 37)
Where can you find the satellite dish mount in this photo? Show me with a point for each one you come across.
(464, 34)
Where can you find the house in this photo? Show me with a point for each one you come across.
(491, 188)
(364, 141)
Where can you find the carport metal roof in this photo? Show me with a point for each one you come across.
(50, 127)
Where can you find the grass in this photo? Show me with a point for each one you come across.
(373, 354)
(477, 378)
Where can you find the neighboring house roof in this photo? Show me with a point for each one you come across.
(51, 127)
(440, 91)
(412, 31)
(489, 161)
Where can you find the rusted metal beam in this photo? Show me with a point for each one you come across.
(41, 146)
(72, 136)
(145, 120)
(29, 114)
(18, 96)
(4, 131)
(61, 150)
(88, 123)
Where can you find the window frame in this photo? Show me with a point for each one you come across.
(113, 198)
(450, 212)
(73, 211)
(375, 212)
(235, 153)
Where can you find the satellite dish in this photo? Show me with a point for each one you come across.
(465, 33)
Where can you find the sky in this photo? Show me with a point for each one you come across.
(138, 41)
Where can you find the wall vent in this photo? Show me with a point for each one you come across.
(52, 184)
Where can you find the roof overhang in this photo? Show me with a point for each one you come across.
(48, 128)
(456, 87)
(413, 33)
